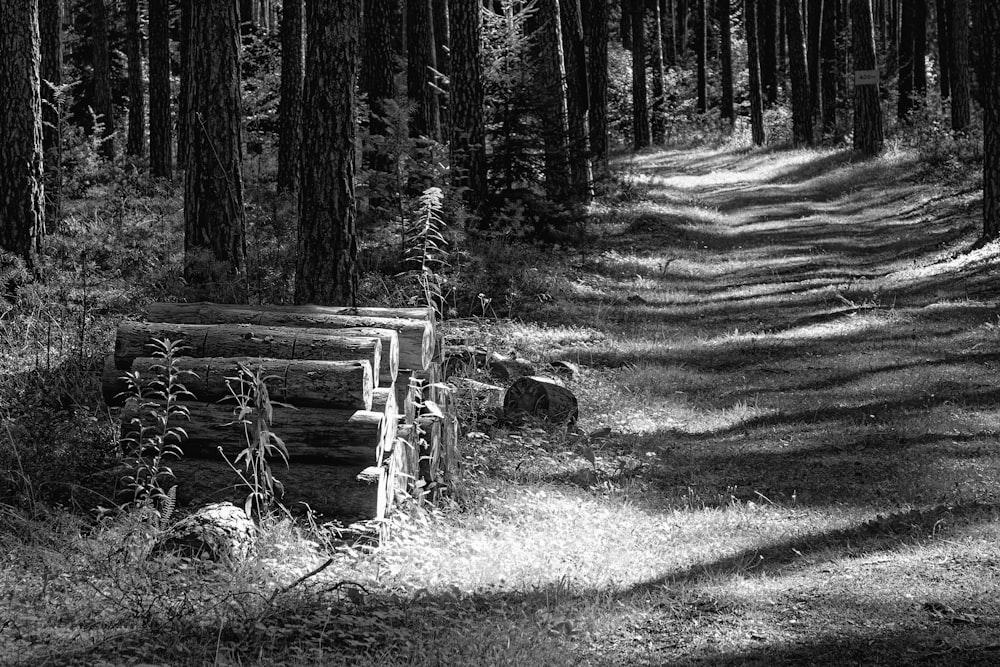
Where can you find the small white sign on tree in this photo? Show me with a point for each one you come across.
(866, 77)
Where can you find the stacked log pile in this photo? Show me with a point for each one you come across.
(355, 394)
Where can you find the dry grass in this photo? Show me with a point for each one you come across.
(786, 455)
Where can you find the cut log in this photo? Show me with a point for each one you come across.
(384, 400)
(380, 347)
(416, 336)
(540, 397)
(506, 368)
(220, 532)
(565, 369)
(346, 385)
(310, 434)
(333, 491)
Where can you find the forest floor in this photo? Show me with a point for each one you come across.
(787, 454)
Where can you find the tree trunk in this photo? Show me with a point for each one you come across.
(753, 64)
(701, 49)
(991, 121)
(160, 147)
(442, 59)
(575, 66)
(976, 49)
(22, 214)
(905, 61)
(377, 81)
(625, 24)
(136, 141)
(868, 133)
(214, 218)
(416, 336)
(290, 106)
(640, 105)
(552, 99)
(425, 120)
(101, 63)
(943, 48)
(726, 111)
(920, 51)
(344, 385)
(597, 17)
(802, 130)
(814, 30)
(683, 17)
(768, 30)
(327, 270)
(667, 30)
(958, 58)
(468, 133)
(829, 61)
(51, 16)
(184, 98)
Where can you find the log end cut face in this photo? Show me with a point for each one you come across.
(541, 397)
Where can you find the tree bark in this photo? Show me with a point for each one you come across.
(214, 218)
(991, 121)
(701, 49)
(667, 21)
(468, 133)
(753, 64)
(22, 213)
(101, 63)
(51, 16)
(829, 64)
(290, 105)
(868, 132)
(920, 51)
(814, 31)
(377, 80)
(160, 135)
(726, 111)
(958, 58)
(135, 143)
(802, 129)
(184, 98)
(575, 66)
(597, 16)
(905, 61)
(625, 24)
(425, 120)
(640, 105)
(551, 99)
(327, 270)
(768, 30)
(943, 48)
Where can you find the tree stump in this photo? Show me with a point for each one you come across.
(540, 397)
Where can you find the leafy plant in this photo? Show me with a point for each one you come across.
(426, 249)
(153, 437)
(254, 412)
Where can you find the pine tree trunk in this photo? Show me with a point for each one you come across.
(184, 98)
(101, 63)
(136, 142)
(657, 120)
(667, 22)
(991, 122)
(50, 16)
(868, 132)
(640, 105)
(976, 51)
(768, 30)
(421, 63)
(552, 99)
(214, 218)
(290, 105)
(753, 64)
(726, 111)
(701, 50)
(958, 58)
(160, 136)
(596, 21)
(575, 66)
(814, 31)
(377, 81)
(327, 270)
(829, 64)
(468, 134)
(905, 61)
(683, 19)
(802, 131)
(22, 215)
(625, 24)
(943, 48)
(920, 51)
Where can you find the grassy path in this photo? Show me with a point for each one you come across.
(796, 359)
(787, 455)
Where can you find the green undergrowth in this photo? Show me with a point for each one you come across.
(786, 450)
